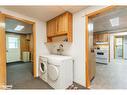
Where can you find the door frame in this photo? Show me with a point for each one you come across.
(115, 46)
(3, 47)
(90, 15)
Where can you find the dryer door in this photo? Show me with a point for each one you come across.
(43, 67)
(53, 72)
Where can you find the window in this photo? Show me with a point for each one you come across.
(119, 41)
(13, 42)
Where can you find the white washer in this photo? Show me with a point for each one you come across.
(43, 68)
(60, 71)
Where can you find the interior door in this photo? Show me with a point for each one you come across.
(92, 62)
(13, 48)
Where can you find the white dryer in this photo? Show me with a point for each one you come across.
(60, 71)
(43, 68)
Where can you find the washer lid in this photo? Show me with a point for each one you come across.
(53, 72)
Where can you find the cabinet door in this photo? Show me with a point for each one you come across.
(62, 24)
(106, 37)
(51, 27)
(97, 37)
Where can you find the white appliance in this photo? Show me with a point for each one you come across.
(43, 68)
(102, 55)
(25, 56)
(60, 71)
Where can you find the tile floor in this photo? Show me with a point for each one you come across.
(111, 76)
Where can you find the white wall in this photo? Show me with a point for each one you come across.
(40, 33)
(77, 48)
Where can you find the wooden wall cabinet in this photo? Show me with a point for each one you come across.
(59, 26)
(63, 24)
(52, 27)
(102, 37)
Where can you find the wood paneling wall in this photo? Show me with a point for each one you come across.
(31, 48)
(26, 44)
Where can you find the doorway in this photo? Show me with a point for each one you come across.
(13, 45)
(118, 47)
(109, 44)
(19, 51)
(88, 48)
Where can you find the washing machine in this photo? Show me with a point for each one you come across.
(60, 72)
(43, 68)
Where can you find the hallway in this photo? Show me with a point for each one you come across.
(19, 75)
(111, 76)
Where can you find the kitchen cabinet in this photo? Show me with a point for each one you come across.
(101, 38)
(51, 27)
(63, 24)
(59, 26)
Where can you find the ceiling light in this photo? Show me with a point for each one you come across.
(19, 27)
(114, 21)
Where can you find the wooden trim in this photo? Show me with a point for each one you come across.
(93, 14)
(20, 19)
(2, 52)
(109, 47)
(34, 38)
(115, 37)
(87, 54)
(34, 50)
(3, 47)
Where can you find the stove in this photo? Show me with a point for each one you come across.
(102, 55)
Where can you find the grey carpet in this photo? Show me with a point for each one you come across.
(19, 75)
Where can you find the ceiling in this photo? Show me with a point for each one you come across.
(11, 24)
(44, 13)
(102, 21)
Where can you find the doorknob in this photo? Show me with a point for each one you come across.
(92, 50)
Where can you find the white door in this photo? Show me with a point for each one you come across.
(12, 48)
